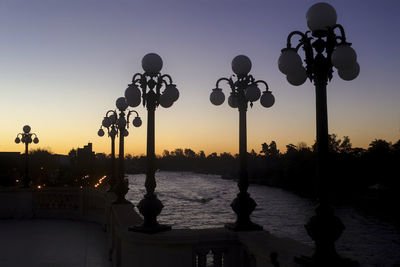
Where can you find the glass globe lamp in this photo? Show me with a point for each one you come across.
(253, 93)
(106, 122)
(165, 101)
(172, 92)
(297, 77)
(152, 64)
(241, 65)
(100, 132)
(350, 73)
(267, 99)
(217, 97)
(137, 122)
(289, 61)
(26, 129)
(121, 103)
(233, 101)
(344, 57)
(320, 16)
(133, 95)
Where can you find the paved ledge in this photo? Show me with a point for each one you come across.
(45, 243)
(81, 240)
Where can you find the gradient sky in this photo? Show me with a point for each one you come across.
(64, 63)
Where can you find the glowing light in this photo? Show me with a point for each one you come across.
(100, 181)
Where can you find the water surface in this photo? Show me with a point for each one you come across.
(203, 201)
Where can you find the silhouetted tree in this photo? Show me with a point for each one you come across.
(290, 148)
(345, 146)
(189, 153)
(201, 154)
(270, 151)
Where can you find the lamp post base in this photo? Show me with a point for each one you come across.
(121, 189)
(150, 207)
(243, 205)
(325, 228)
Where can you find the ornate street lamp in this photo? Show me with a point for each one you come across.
(121, 123)
(244, 90)
(110, 123)
(26, 138)
(151, 83)
(324, 49)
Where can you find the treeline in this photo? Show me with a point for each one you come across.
(351, 170)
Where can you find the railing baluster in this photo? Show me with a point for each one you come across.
(218, 257)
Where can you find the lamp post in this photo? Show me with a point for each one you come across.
(324, 49)
(151, 83)
(109, 122)
(26, 138)
(244, 90)
(122, 123)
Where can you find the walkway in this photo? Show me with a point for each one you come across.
(55, 243)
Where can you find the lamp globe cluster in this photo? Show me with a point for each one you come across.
(324, 51)
(241, 66)
(321, 20)
(152, 65)
(26, 136)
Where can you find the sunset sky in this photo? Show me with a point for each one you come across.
(64, 63)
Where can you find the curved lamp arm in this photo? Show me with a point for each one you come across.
(135, 79)
(342, 36)
(289, 38)
(168, 77)
(129, 114)
(229, 81)
(263, 82)
(112, 111)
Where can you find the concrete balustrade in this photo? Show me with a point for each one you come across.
(178, 247)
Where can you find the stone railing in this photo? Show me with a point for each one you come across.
(195, 248)
(54, 202)
(178, 247)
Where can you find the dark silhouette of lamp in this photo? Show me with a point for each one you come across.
(244, 90)
(109, 122)
(26, 138)
(154, 89)
(119, 124)
(324, 49)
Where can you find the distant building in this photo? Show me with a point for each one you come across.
(85, 159)
(85, 154)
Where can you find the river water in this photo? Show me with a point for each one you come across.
(197, 201)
